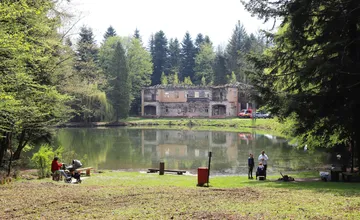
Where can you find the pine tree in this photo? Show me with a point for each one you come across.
(312, 71)
(219, 70)
(140, 67)
(151, 46)
(203, 81)
(204, 61)
(159, 57)
(187, 57)
(236, 51)
(207, 40)
(187, 81)
(164, 80)
(232, 78)
(119, 83)
(176, 80)
(174, 56)
(110, 32)
(87, 51)
(137, 34)
(198, 42)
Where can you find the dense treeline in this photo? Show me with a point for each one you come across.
(47, 79)
(312, 73)
(309, 74)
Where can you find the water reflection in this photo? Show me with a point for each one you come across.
(131, 148)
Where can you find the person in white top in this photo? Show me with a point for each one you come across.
(263, 158)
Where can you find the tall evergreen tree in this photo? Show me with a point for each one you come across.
(164, 80)
(220, 70)
(187, 58)
(236, 50)
(312, 72)
(119, 82)
(204, 61)
(151, 46)
(140, 67)
(198, 41)
(87, 56)
(207, 40)
(110, 32)
(88, 74)
(159, 56)
(137, 34)
(174, 56)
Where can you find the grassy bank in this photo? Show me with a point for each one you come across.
(261, 126)
(127, 195)
(228, 122)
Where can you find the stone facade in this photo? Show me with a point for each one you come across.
(190, 101)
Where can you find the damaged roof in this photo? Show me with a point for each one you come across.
(181, 86)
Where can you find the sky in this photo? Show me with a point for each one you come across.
(215, 18)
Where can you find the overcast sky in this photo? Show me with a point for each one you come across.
(216, 18)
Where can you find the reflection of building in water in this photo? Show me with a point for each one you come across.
(195, 144)
(174, 150)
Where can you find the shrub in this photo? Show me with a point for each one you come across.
(42, 160)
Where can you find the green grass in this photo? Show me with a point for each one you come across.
(228, 124)
(131, 195)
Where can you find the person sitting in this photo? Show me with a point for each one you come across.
(55, 168)
(261, 171)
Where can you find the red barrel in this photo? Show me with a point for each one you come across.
(203, 173)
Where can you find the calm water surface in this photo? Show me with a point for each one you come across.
(139, 149)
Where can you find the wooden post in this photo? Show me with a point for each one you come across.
(87, 172)
(208, 177)
(162, 168)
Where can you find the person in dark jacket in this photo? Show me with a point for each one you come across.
(251, 165)
(261, 171)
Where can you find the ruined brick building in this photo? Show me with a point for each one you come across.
(190, 101)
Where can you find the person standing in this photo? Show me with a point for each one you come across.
(263, 158)
(251, 166)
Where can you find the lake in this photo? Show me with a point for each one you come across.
(139, 149)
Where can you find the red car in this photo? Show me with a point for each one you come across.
(245, 113)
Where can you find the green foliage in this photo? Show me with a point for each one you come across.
(187, 81)
(31, 54)
(164, 80)
(232, 78)
(86, 64)
(174, 56)
(219, 70)
(199, 41)
(110, 32)
(311, 73)
(240, 45)
(204, 62)
(140, 69)
(42, 160)
(159, 52)
(137, 34)
(187, 67)
(203, 81)
(119, 83)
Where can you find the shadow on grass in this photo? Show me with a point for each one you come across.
(337, 188)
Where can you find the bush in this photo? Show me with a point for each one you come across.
(42, 160)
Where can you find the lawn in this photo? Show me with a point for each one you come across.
(133, 195)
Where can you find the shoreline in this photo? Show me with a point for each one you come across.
(268, 126)
(190, 122)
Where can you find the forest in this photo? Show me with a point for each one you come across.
(306, 72)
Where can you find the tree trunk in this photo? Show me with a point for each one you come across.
(5, 144)
(21, 145)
